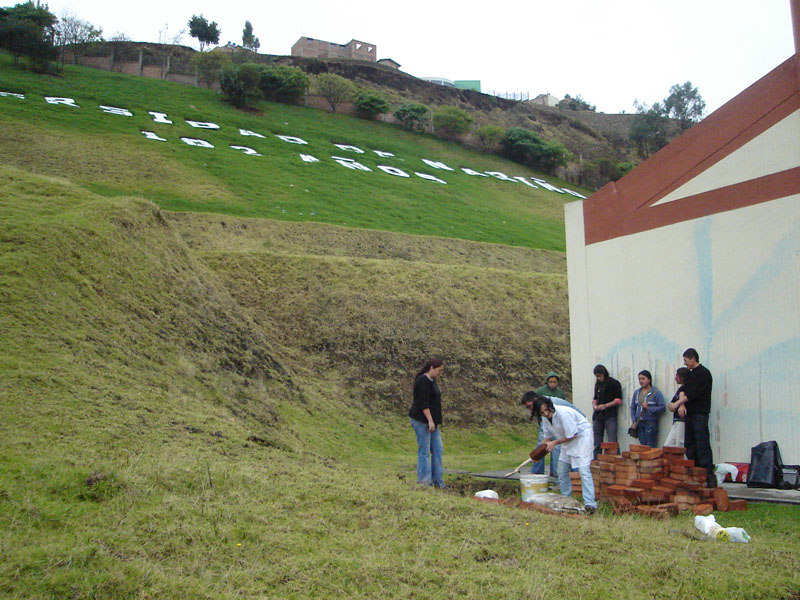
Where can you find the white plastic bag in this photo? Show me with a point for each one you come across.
(487, 494)
(723, 469)
(736, 534)
(705, 524)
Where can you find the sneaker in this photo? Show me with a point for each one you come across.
(589, 510)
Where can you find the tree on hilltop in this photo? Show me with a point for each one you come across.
(685, 105)
(29, 29)
(249, 41)
(334, 88)
(576, 103)
(649, 128)
(77, 34)
(205, 32)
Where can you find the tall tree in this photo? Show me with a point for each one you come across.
(685, 105)
(77, 34)
(250, 41)
(29, 29)
(205, 32)
(334, 88)
(649, 128)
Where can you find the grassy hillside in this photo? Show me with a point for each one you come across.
(209, 404)
(108, 154)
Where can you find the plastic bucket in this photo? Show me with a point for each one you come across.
(532, 485)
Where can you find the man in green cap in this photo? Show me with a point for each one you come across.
(550, 387)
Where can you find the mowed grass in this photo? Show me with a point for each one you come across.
(161, 438)
(109, 155)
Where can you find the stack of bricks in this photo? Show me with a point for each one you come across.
(655, 482)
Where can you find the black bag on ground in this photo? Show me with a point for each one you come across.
(766, 466)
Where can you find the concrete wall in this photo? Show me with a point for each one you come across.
(727, 284)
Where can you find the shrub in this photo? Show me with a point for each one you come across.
(283, 84)
(334, 88)
(239, 83)
(209, 65)
(369, 104)
(452, 121)
(412, 115)
(489, 137)
(525, 147)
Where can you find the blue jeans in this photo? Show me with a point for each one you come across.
(607, 425)
(587, 483)
(648, 433)
(538, 465)
(429, 454)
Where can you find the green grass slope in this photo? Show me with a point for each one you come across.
(108, 154)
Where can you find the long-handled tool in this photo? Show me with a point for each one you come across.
(537, 453)
(527, 460)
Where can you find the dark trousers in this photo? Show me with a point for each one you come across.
(697, 442)
(599, 426)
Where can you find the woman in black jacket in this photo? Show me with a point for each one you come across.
(426, 419)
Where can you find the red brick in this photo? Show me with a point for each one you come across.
(721, 499)
(703, 509)
(676, 450)
(681, 462)
(616, 490)
(644, 483)
(669, 483)
(639, 448)
(737, 505)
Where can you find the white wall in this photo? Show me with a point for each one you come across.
(727, 285)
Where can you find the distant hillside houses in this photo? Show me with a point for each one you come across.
(545, 100)
(461, 84)
(307, 47)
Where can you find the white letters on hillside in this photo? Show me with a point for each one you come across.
(436, 165)
(350, 163)
(355, 149)
(291, 139)
(113, 110)
(202, 125)
(393, 171)
(196, 142)
(160, 118)
(247, 150)
(152, 136)
(248, 132)
(64, 101)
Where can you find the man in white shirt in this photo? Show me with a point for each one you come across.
(568, 429)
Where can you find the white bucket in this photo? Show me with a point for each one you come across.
(532, 485)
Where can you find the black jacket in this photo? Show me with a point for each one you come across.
(426, 395)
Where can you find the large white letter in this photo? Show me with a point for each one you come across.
(195, 142)
(471, 172)
(65, 101)
(152, 136)
(355, 149)
(350, 163)
(526, 182)
(248, 132)
(393, 171)
(202, 125)
(576, 194)
(112, 110)
(383, 154)
(291, 139)
(501, 176)
(247, 150)
(430, 177)
(12, 94)
(308, 158)
(547, 186)
(160, 117)
(436, 165)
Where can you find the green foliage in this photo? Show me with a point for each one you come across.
(489, 137)
(649, 129)
(452, 121)
(209, 65)
(604, 169)
(29, 30)
(205, 32)
(527, 148)
(370, 104)
(685, 105)
(334, 88)
(239, 83)
(413, 116)
(576, 103)
(76, 34)
(283, 83)
(250, 41)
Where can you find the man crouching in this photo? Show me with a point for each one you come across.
(566, 427)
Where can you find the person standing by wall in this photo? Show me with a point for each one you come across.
(695, 406)
(647, 404)
(675, 435)
(426, 419)
(605, 403)
(567, 428)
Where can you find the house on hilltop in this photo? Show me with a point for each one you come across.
(307, 47)
(700, 247)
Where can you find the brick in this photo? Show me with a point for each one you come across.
(633, 494)
(622, 506)
(680, 462)
(616, 490)
(655, 474)
(639, 448)
(703, 509)
(644, 483)
(679, 469)
(691, 486)
(684, 506)
(669, 483)
(609, 445)
(654, 512)
(721, 499)
(652, 496)
(649, 454)
(573, 475)
(699, 472)
(626, 454)
(737, 505)
(675, 450)
(669, 507)
(656, 462)
(609, 458)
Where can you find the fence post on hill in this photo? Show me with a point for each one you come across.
(141, 58)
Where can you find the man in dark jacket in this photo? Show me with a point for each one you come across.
(605, 402)
(695, 408)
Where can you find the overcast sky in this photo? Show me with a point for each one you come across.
(611, 52)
